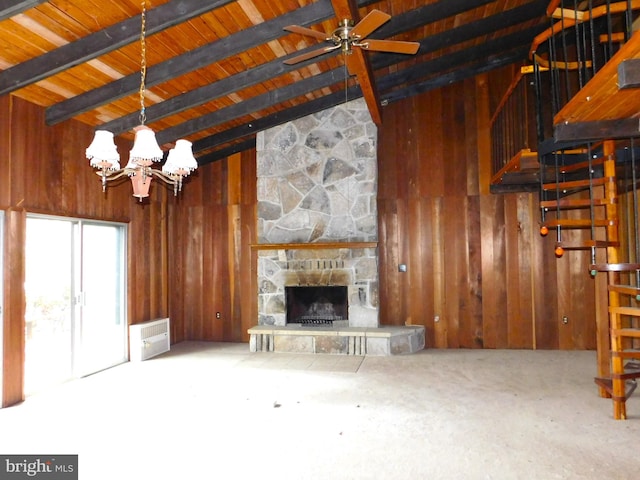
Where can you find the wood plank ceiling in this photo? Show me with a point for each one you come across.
(215, 68)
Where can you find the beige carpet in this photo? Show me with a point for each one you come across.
(215, 411)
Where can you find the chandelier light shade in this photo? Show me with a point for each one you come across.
(180, 160)
(103, 151)
(145, 146)
(103, 154)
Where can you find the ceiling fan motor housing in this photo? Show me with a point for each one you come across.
(341, 36)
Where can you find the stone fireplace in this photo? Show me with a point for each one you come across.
(317, 186)
(356, 269)
(317, 228)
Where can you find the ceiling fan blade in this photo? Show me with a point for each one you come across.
(393, 46)
(374, 20)
(306, 31)
(308, 55)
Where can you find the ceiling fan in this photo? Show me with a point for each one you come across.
(347, 36)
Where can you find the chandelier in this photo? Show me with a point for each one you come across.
(103, 153)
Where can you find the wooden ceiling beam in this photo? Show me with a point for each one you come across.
(469, 31)
(227, 151)
(193, 60)
(309, 15)
(200, 57)
(278, 118)
(204, 94)
(102, 42)
(457, 72)
(357, 62)
(250, 105)
(466, 71)
(9, 8)
(424, 15)
(328, 101)
(313, 13)
(438, 66)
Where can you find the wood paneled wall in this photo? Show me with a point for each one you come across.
(44, 170)
(479, 275)
(475, 260)
(213, 269)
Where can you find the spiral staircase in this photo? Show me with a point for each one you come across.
(579, 148)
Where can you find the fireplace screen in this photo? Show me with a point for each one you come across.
(316, 305)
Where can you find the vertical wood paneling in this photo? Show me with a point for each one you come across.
(452, 252)
(474, 259)
(490, 274)
(214, 243)
(5, 147)
(544, 274)
(517, 326)
(547, 316)
(483, 141)
(175, 269)
(194, 314)
(431, 130)
(391, 296)
(564, 300)
(525, 227)
(414, 286)
(482, 269)
(248, 263)
(46, 171)
(439, 265)
(474, 337)
(213, 326)
(387, 189)
(14, 309)
(249, 258)
(471, 138)
(500, 266)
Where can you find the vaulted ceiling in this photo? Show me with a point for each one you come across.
(216, 71)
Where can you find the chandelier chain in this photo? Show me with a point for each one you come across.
(143, 61)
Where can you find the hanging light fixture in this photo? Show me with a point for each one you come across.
(103, 153)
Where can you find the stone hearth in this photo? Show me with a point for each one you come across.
(381, 341)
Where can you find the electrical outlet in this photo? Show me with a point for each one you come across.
(218, 316)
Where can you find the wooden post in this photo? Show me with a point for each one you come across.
(605, 323)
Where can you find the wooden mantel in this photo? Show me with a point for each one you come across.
(312, 246)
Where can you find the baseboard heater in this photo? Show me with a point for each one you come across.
(148, 339)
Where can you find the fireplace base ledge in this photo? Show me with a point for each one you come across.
(379, 341)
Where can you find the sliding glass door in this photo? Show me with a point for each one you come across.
(74, 286)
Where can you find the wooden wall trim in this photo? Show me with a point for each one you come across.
(14, 309)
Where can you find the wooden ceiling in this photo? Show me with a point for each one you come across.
(215, 68)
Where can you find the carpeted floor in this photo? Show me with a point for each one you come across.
(212, 410)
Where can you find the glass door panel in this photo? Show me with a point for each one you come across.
(103, 318)
(49, 308)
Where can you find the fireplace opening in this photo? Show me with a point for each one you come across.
(316, 305)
